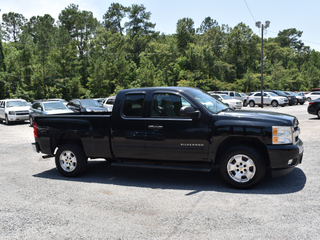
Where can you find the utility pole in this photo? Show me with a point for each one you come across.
(258, 24)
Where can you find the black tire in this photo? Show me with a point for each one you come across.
(71, 160)
(318, 113)
(252, 104)
(242, 167)
(301, 103)
(308, 99)
(274, 103)
(7, 120)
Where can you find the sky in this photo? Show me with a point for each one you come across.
(282, 14)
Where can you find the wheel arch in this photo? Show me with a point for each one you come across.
(246, 141)
(64, 138)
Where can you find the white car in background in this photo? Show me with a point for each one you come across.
(312, 96)
(231, 102)
(269, 98)
(12, 110)
(108, 103)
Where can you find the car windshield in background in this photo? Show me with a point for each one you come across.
(280, 93)
(90, 103)
(273, 94)
(226, 97)
(207, 101)
(54, 106)
(17, 104)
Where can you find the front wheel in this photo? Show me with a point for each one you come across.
(7, 120)
(274, 103)
(251, 104)
(71, 160)
(242, 167)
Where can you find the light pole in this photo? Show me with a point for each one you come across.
(258, 24)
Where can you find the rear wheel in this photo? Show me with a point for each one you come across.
(251, 104)
(308, 99)
(274, 103)
(71, 160)
(318, 113)
(242, 167)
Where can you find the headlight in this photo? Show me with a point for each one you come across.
(282, 135)
(12, 113)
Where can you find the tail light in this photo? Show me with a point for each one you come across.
(311, 102)
(35, 129)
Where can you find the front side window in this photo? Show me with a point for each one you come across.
(133, 105)
(167, 105)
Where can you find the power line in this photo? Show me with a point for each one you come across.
(250, 11)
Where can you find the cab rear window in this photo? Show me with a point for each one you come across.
(133, 105)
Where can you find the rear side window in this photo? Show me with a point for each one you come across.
(133, 105)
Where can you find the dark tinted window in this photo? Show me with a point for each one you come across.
(133, 105)
(37, 106)
(166, 105)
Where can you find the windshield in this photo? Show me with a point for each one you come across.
(280, 92)
(90, 103)
(207, 101)
(226, 97)
(17, 104)
(273, 94)
(54, 106)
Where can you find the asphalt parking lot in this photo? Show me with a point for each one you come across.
(36, 202)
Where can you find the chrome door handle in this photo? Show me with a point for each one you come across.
(155, 127)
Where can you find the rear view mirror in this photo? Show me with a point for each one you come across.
(189, 112)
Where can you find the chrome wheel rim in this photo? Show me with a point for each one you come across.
(68, 161)
(274, 104)
(241, 168)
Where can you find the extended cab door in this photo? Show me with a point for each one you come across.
(170, 136)
(128, 126)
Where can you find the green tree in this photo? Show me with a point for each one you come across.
(139, 24)
(185, 33)
(81, 25)
(12, 24)
(113, 18)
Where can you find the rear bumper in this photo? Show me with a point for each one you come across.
(283, 159)
(36, 147)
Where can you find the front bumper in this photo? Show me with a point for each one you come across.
(284, 158)
(13, 118)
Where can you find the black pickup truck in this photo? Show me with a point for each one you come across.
(174, 128)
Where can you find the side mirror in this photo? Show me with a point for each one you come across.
(189, 112)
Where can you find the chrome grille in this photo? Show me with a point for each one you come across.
(22, 112)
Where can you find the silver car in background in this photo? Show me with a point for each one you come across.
(269, 98)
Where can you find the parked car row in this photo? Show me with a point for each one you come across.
(271, 97)
(12, 110)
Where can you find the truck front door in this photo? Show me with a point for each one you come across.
(172, 137)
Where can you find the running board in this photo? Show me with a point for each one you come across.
(168, 167)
